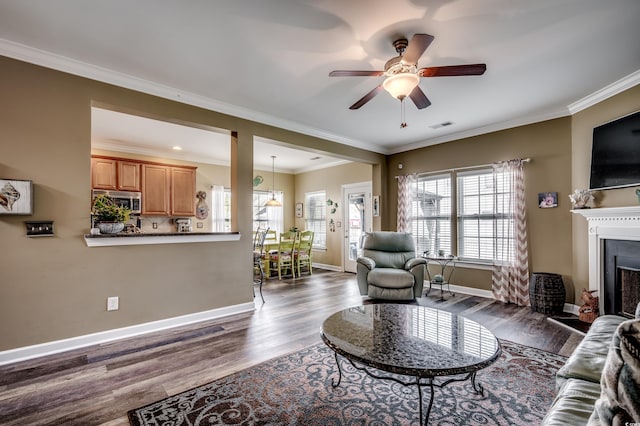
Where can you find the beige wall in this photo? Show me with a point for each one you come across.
(331, 181)
(55, 288)
(582, 131)
(548, 144)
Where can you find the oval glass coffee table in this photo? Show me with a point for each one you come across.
(431, 346)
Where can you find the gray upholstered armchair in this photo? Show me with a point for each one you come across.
(388, 268)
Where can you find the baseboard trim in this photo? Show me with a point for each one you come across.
(568, 307)
(469, 290)
(57, 346)
(571, 309)
(333, 268)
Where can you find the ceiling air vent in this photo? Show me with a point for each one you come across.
(445, 124)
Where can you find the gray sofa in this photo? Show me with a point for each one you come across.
(600, 381)
(388, 268)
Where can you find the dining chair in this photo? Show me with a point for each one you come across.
(302, 254)
(282, 258)
(258, 258)
(270, 245)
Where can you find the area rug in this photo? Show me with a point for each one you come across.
(296, 389)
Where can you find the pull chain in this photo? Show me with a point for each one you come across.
(403, 123)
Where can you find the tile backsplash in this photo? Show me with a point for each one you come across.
(165, 224)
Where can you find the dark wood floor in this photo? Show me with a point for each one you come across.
(99, 384)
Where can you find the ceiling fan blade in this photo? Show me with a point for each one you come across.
(416, 47)
(453, 70)
(366, 98)
(346, 73)
(419, 98)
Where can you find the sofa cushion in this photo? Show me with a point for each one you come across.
(587, 360)
(619, 402)
(574, 403)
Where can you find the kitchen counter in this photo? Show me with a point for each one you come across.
(131, 239)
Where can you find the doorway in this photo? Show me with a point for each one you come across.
(357, 220)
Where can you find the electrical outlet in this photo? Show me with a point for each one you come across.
(113, 303)
(155, 225)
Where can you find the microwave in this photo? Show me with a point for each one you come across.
(131, 200)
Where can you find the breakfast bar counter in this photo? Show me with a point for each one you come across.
(132, 239)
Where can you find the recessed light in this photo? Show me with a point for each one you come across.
(315, 158)
(177, 148)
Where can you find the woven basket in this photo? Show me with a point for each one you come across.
(547, 293)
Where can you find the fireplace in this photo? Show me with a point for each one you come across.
(621, 284)
(614, 257)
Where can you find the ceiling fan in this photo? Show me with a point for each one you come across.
(403, 75)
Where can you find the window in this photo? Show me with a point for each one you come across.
(475, 227)
(267, 217)
(316, 217)
(484, 213)
(220, 209)
(431, 214)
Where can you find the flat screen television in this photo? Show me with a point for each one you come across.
(615, 156)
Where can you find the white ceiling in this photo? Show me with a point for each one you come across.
(269, 60)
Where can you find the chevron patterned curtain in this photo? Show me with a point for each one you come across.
(406, 189)
(511, 272)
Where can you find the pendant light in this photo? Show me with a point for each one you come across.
(273, 202)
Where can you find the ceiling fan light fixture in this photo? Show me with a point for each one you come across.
(401, 85)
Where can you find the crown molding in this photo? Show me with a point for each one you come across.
(613, 89)
(173, 155)
(62, 63)
(503, 125)
(114, 147)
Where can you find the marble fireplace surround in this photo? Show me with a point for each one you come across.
(617, 223)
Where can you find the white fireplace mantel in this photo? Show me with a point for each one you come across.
(611, 214)
(617, 223)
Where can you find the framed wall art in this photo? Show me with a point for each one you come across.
(376, 205)
(16, 197)
(299, 209)
(547, 200)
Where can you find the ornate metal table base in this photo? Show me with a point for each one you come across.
(430, 382)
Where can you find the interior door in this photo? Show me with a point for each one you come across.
(357, 220)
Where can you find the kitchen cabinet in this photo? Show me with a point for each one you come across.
(128, 176)
(168, 190)
(103, 173)
(183, 191)
(156, 189)
(114, 174)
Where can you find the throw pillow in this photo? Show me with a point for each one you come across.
(619, 401)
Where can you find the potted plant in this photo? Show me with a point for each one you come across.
(109, 216)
